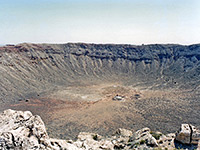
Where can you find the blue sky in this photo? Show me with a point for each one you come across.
(100, 21)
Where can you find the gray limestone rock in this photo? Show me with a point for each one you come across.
(22, 130)
(195, 135)
(188, 134)
(124, 132)
(183, 135)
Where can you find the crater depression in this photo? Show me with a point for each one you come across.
(73, 87)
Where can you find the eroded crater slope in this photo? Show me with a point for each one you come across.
(71, 86)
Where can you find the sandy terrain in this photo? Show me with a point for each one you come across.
(66, 117)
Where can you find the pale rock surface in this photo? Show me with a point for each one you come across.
(143, 138)
(195, 135)
(86, 135)
(188, 134)
(124, 132)
(91, 141)
(24, 131)
(183, 135)
(167, 141)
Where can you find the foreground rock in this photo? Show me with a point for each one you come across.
(22, 130)
(188, 134)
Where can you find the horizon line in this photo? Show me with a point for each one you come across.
(96, 43)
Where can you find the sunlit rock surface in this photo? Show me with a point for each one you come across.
(22, 130)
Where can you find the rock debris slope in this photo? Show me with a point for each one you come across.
(22, 130)
(27, 70)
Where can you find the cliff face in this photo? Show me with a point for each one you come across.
(71, 86)
(28, 69)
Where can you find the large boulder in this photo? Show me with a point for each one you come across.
(22, 130)
(188, 134)
(195, 135)
(184, 133)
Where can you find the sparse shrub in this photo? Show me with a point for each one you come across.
(136, 144)
(155, 135)
(142, 142)
(119, 147)
(95, 137)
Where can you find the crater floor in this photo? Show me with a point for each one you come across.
(92, 108)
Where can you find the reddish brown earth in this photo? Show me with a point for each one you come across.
(65, 118)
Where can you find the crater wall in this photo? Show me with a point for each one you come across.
(31, 69)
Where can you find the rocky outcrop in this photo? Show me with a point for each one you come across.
(195, 135)
(22, 130)
(188, 134)
(184, 134)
